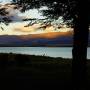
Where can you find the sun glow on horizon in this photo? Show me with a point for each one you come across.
(20, 29)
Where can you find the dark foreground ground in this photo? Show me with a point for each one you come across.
(35, 72)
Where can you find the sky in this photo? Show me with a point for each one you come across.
(19, 27)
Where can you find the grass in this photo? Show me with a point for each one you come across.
(37, 72)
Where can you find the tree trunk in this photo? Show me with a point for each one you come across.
(80, 44)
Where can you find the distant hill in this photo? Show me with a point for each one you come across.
(45, 39)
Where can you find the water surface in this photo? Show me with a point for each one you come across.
(65, 52)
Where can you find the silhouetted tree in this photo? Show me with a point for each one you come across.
(81, 31)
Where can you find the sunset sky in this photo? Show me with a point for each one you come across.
(17, 26)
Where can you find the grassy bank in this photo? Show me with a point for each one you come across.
(38, 64)
(30, 71)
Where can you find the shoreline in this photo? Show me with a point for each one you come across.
(11, 53)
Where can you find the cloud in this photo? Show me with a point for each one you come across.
(30, 29)
(34, 13)
(35, 29)
(5, 1)
(11, 12)
(21, 28)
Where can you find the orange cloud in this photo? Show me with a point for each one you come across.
(49, 29)
(24, 29)
(47, 35)
(35, 29)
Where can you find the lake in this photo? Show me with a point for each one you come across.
(65, 52)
